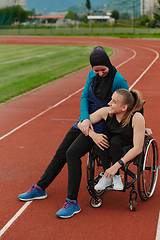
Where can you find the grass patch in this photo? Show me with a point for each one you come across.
(25, 67)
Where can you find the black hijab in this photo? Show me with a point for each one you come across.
(102, 85)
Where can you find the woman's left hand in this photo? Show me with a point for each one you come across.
(110, 172)
(100, 140)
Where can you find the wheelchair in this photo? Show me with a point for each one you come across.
(146, 177)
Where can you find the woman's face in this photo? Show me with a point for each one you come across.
(102, 71)
(116, 105)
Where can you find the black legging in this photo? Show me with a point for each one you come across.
(74, 146)
(114, 152)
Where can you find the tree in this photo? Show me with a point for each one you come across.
(32, 12)
(88, 4)
(10, 15)
(20, 14)
(125, 16)
(70, 15)
(157, 14)
(115, 15)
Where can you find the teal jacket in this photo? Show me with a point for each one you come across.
(119, 82)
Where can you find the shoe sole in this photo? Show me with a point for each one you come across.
(35, 198)
(103, 188)
(118, 189)
(69, 216)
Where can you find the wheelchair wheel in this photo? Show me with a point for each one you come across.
(148, 169)
(133, 204)
(96, 202)
(94, 172)
(132, 199)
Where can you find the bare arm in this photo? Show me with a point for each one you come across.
(138, 125)
(99, 138)
(85, 126)
(97, 116)
(100, 114)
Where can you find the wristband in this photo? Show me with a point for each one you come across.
(121, 162)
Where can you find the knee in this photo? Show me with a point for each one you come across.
(70, 154)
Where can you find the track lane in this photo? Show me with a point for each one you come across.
(85, 204)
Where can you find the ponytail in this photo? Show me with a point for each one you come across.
(133, 100)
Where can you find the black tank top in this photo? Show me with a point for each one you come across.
(115, 128)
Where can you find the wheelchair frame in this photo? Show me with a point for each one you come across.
(147, 174)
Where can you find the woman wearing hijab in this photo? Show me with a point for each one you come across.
(102, 81)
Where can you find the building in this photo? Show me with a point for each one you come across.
(101, 16)
(148, 7)
(50, 18)
(11, 3)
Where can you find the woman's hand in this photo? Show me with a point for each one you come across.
(100, 140)
(148, 131)
(110, 172)
(85, 125)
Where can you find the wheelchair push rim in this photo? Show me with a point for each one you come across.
(94, 173)
(148, 169)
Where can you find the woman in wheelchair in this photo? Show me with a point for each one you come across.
(125, 127)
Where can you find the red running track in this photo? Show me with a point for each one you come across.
(32, 127)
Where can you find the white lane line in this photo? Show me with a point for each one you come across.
(11, 221)
(128, 58)
(157, 56)
(30, 120)
(26, 205)
(22, 59)
(36, 56)
(158, 229)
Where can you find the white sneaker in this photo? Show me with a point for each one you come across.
(103, 183)
(117, 182)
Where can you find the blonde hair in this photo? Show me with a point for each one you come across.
(134, 102)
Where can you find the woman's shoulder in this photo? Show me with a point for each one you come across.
(137, 117)
(119, 82)
(118, 76)
(90, 77)
(91, 74)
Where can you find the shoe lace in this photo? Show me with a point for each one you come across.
(31, 189)
(67, 204)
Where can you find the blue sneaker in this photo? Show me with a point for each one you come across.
(69, 209)
(33, 194)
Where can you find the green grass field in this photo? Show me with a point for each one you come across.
(25, 67)
(128, 32)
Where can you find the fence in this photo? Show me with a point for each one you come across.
(20, 30)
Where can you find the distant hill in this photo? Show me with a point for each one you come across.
(47, 6)
(78, 6)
